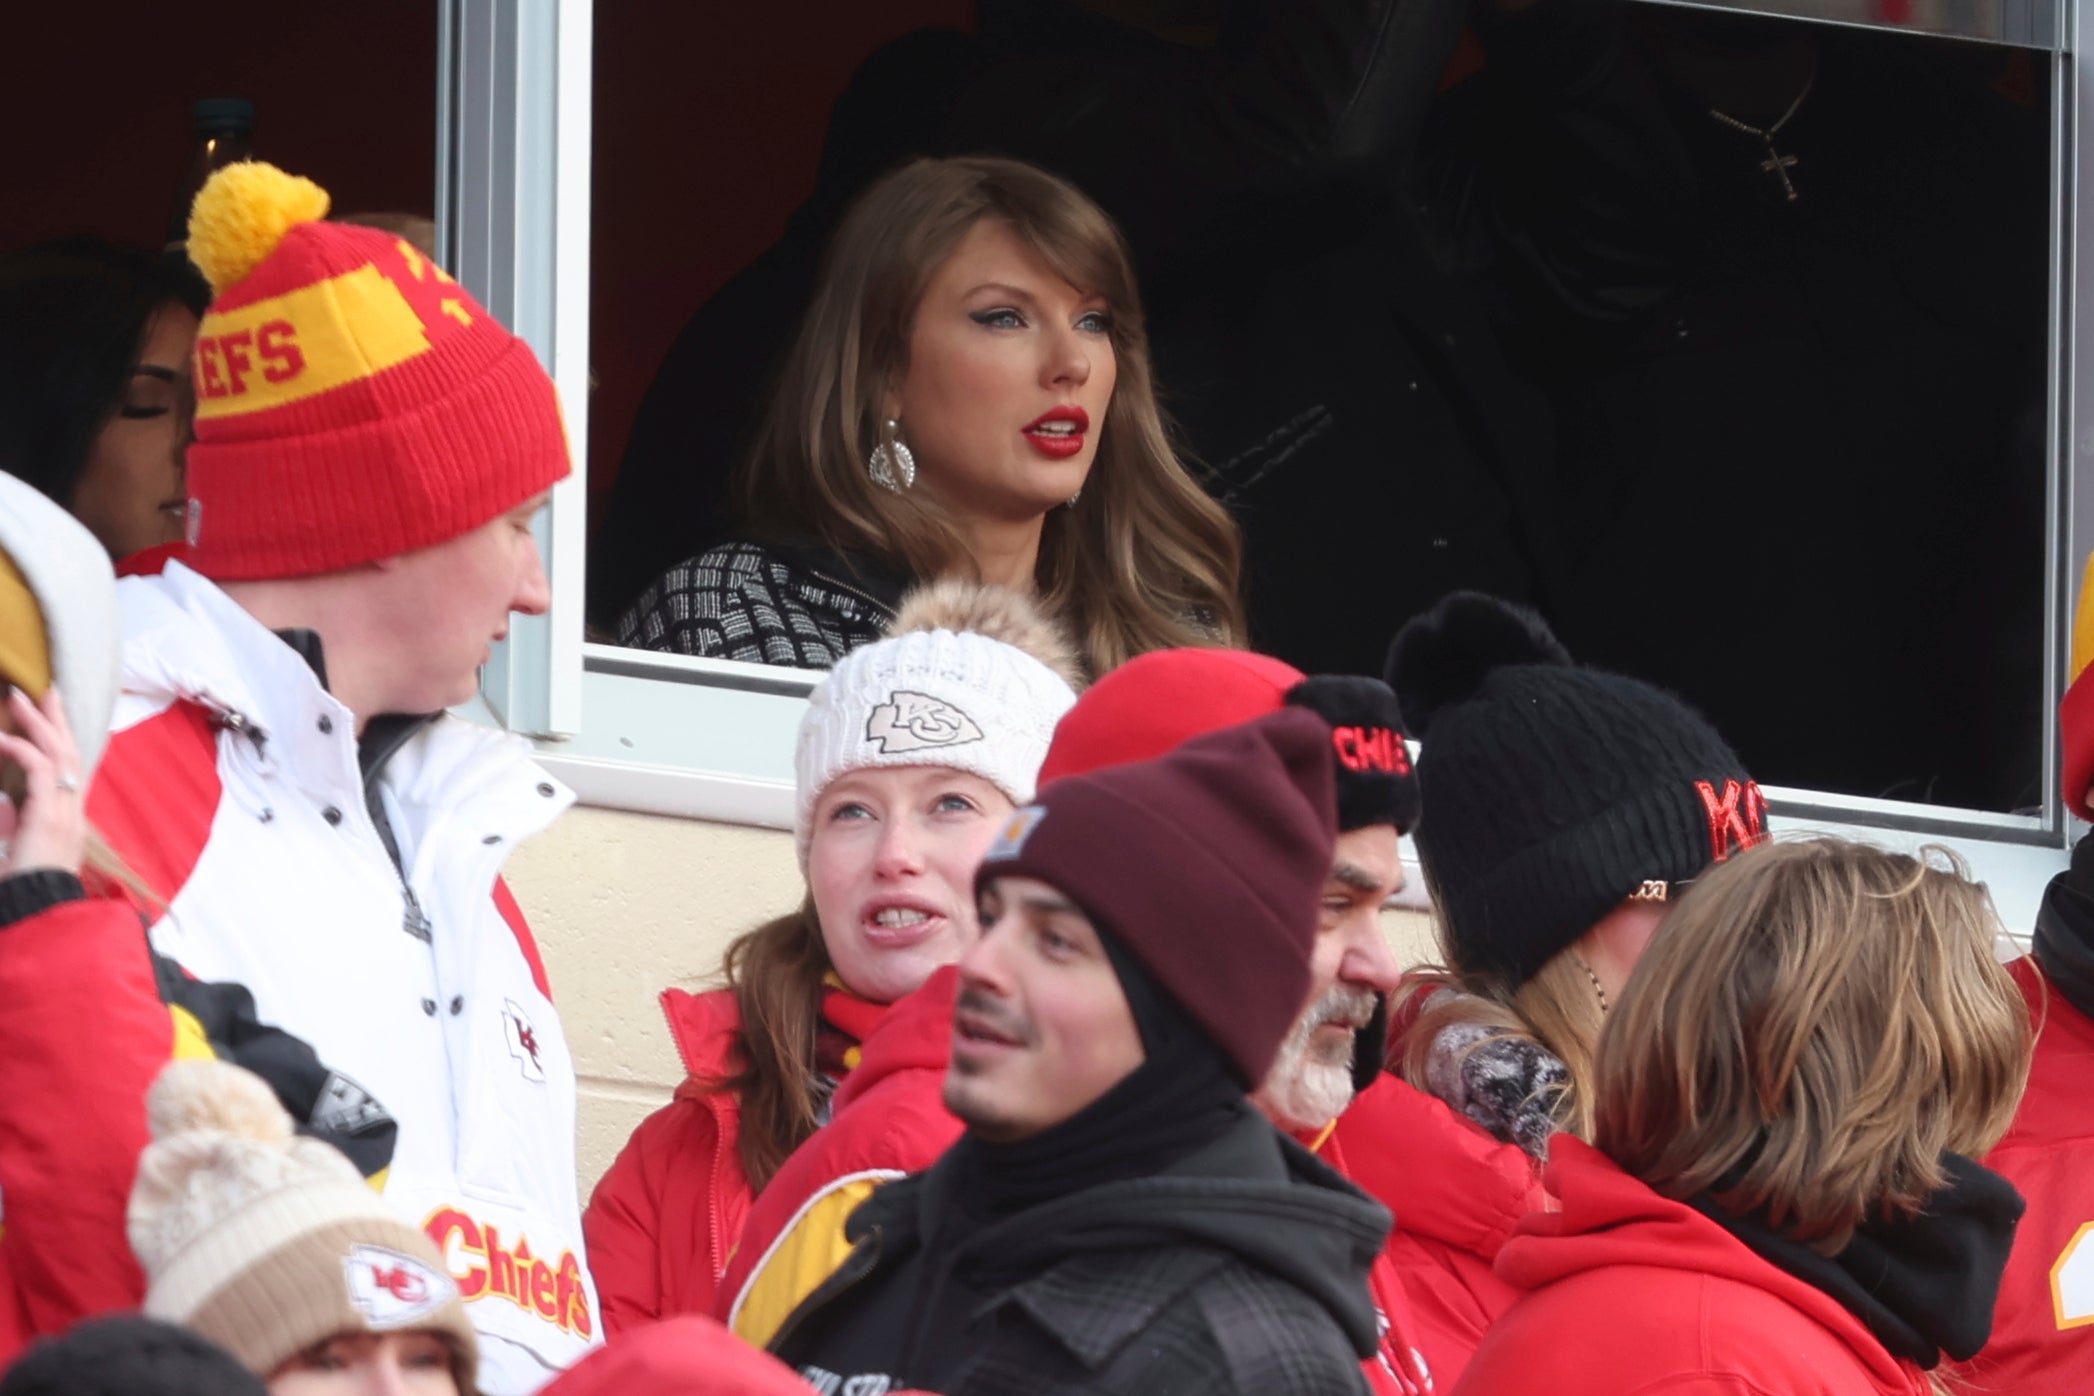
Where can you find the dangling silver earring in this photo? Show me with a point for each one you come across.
(892, 467)
(1070, 502)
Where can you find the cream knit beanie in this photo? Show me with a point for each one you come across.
(971, 678)
(268, 1243)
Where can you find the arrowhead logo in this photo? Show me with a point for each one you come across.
(392, 1290)
(523, 1041)
(918, 722)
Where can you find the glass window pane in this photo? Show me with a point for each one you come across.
(1719, 338)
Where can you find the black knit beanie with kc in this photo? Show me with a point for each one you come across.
(1552, 792)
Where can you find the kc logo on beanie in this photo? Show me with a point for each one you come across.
(956, 698)
(1556, 791)
(918, 722)
(392, 1290)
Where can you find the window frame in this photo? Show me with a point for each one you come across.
(713, 739)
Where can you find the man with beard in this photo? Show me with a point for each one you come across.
(1117, 1218)
(889, 1117)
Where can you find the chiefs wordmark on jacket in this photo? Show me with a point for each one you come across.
(232, 787)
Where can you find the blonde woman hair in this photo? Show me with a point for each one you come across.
(1809, 1031)
(1556, 1010)
(1146, 560)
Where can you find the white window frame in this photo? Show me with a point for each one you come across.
(713, 739)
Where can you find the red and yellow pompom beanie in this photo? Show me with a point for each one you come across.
(352, 401)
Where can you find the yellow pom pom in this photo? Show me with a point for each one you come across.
(242, 213)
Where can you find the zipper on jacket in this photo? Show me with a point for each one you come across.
(716, 1258)
(878, 605)
(385, 735)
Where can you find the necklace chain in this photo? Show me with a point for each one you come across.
(1776, 163)
(1769, 132)
(1597, 988)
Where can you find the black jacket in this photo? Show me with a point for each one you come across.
(1772, 417)
(2064, 941)
(1242, 1269)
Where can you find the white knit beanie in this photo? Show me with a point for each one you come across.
(268, 1243)
(972, 679)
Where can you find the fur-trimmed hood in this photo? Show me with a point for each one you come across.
(997, 613)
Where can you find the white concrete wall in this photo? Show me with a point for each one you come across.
(626, 905)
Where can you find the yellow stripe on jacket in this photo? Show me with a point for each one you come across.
(805, 1254)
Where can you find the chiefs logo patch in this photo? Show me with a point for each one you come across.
(523, 1041)
(392, 1290)
(918, 722)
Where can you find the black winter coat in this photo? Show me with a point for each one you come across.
(2064, 942)
(1241, 1270)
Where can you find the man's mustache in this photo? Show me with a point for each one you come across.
(1349, 1004)
(993, 1016)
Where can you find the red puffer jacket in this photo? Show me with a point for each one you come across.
(1457, 1194)
(83, 1034)
(1627, 1291)
(889, 1120)
(2043, 1329)
(665, 1219)
(92, 1015)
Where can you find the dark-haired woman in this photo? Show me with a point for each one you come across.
(96, 402)
(912, 755)
(969, 396)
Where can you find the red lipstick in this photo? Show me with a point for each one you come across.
(1059, 433)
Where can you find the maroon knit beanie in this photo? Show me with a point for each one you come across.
(1208, 864)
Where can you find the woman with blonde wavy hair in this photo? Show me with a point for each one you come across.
(1562, 807)
(1780, 1195)
(1565, 805)
(970, 396)
(912, 755)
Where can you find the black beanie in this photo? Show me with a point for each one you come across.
(1375, 782)
(1552, 792)
(129, 1356)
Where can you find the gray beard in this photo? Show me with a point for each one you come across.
(1302, 1092)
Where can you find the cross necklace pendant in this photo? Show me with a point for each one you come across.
(1779, 165)
(1776, 163)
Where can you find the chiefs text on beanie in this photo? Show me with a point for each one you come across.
(1553, 792)
(1155, 701)
(1207, 864)
(352, 401)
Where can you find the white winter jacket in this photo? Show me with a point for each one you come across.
(232, 787)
